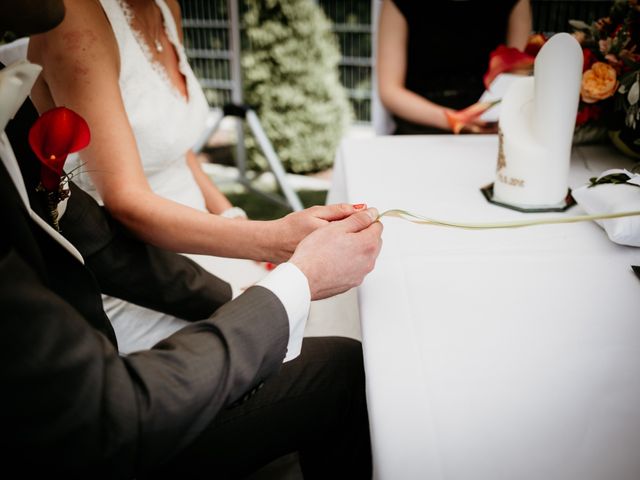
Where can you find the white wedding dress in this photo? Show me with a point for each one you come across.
(165, 125)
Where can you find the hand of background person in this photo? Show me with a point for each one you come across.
(291, 229)
(337, 257)
(480, 126)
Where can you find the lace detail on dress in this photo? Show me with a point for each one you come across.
(157, 67)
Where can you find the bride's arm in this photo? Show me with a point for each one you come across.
(81, 69)
(214, 199)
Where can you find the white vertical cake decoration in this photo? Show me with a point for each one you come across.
(537, 119)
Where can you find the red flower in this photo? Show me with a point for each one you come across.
(56, 134)
(588, 112)
(458, 119)
(588, 59)
(506, 59)
(534, 44)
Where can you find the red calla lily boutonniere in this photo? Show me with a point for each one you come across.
(56, 134)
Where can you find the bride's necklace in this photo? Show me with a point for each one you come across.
(158, 45)
(157, 32)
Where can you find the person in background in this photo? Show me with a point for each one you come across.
(121, 65)
(431, 56)
(213, 400)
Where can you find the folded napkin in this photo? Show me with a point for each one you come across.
(615, 190)
(496, 92)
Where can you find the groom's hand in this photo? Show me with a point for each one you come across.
(290, 230)
(337, 257)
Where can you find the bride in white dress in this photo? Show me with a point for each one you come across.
(121, 65)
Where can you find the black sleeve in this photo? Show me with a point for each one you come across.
(70, 404)
(404, 6)
(135, 271)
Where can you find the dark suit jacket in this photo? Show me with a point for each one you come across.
(69, 402)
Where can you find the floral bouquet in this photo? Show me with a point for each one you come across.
(610, 83)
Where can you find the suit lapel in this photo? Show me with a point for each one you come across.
(11, 164)
(15, 84)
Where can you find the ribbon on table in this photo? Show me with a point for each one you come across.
(419, 219)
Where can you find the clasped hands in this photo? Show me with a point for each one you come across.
(335, 246)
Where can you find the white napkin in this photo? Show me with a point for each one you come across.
(611, 198)
(496, 91)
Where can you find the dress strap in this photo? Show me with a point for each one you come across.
(171, 28)
(119, 17)
(169, 22)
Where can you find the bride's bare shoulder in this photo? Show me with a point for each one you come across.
(83, 38)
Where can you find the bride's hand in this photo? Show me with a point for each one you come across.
(291, 229)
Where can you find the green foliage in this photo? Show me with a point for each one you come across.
(258, 208)
(291, 77)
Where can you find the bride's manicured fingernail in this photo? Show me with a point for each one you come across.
(358, 206)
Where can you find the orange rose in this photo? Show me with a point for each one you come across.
(598, 83)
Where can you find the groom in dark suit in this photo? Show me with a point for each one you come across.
(212, 400)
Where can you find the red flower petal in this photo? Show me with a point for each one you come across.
(588, 59)
(506, 59)
(56, 134)
(50, 180)
(588, 112)
(534, 44)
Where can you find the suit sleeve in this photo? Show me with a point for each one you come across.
(70, 402)
(135, 271)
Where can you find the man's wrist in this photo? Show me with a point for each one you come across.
(290, 285)
(305, 269)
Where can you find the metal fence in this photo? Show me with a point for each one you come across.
(206, 38)
(352, 24)
(206, 28)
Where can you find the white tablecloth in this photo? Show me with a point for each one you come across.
(500, 354)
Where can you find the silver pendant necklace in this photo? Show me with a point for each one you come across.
(157, 44)
(159, 47)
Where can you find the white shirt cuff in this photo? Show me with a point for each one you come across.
(291, 287)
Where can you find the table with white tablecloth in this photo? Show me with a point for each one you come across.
(495, 354)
